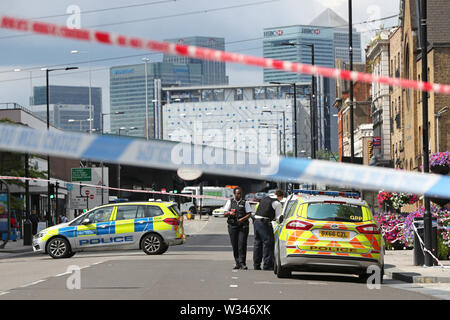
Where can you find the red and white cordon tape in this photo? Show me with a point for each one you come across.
(424, 249)
(109, 38)
(116, 189)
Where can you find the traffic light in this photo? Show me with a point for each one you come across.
(52, 191)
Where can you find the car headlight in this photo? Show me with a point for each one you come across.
(39, 235)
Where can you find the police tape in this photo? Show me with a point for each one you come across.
(108, 38)
(424, 249)
(66, 184)
(171, 155)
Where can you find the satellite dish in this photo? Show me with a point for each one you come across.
(189, 174)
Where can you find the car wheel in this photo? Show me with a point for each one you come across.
(281, 272)
(58, 248)
(153, 244)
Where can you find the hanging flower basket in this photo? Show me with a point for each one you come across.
(440, 162)
(440, 169)
(440, 201)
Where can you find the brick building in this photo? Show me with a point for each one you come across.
(438, 54)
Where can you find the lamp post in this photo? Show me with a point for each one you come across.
(90, 85)
(118, 165)
(350, 50)
(427, 218)
(284, 128)
(80, 121)
(47, 71)
(146, 60)
(313, 96)
(295, 114)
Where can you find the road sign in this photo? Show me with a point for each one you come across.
(81, 174)
(376, 144)
(89, 196)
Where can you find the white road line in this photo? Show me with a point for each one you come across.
(32, 283)
(233, 286)
(3, 293)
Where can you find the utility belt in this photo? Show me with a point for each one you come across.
(261, 218)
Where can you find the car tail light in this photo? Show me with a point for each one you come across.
(368, 229)
(298, 225)
(171, 221)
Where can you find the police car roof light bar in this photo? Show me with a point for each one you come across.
(328, 193)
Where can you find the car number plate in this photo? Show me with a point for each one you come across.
(334, 234)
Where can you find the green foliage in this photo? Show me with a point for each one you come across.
(13, 164)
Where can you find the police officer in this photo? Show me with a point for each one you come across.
(238, 212)
(268, 209)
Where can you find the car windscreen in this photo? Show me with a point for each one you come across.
(335, 211)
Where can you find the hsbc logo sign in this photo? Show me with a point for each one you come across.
(274, 33)
(311, 31)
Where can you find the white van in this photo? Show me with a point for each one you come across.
(219, 196)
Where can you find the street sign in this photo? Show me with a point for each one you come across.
(81, 174)
(376, 142)
(90, 195)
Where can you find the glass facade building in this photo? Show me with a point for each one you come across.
(213, 73)
(71, 95)
(127, 92)
(328, 35)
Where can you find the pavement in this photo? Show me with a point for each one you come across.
(399, 264)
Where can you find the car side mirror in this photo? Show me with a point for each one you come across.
(280, 219)
(86, 221)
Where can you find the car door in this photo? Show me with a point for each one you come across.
(125, 233)
(96, 233)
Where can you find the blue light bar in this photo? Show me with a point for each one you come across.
(329, 193)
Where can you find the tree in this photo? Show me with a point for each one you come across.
(13, 164)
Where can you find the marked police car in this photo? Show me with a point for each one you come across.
(327, 231)
(150, 226)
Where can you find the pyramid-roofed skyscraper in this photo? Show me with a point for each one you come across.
(328, 32)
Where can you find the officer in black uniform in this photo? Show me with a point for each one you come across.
(268, 209)
(238, 212)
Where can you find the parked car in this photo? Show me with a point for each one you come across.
(327, 231)
(150, 226)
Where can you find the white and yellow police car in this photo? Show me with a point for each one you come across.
(150, 226)
(327, 231)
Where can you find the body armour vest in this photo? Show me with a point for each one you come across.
(265, 208)
(239, 206)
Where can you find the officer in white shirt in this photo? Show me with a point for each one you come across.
(263, 249)
(238, 212)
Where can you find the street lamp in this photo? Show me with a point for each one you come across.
(295, 114)
(107, 114)
(47, 71)
(284, 127)
(146, 60)
(90, 84)
(80, 121)
(350, 50)
(118, 165)
(278, 132)
(313, 96)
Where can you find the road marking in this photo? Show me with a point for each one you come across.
(234, 278)
(3, 293)
(62, 274)
(233, 286)
(32, 283)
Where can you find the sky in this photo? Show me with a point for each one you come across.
(162, 19)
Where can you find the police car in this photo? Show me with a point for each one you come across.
(150, 226)
(327, 231)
